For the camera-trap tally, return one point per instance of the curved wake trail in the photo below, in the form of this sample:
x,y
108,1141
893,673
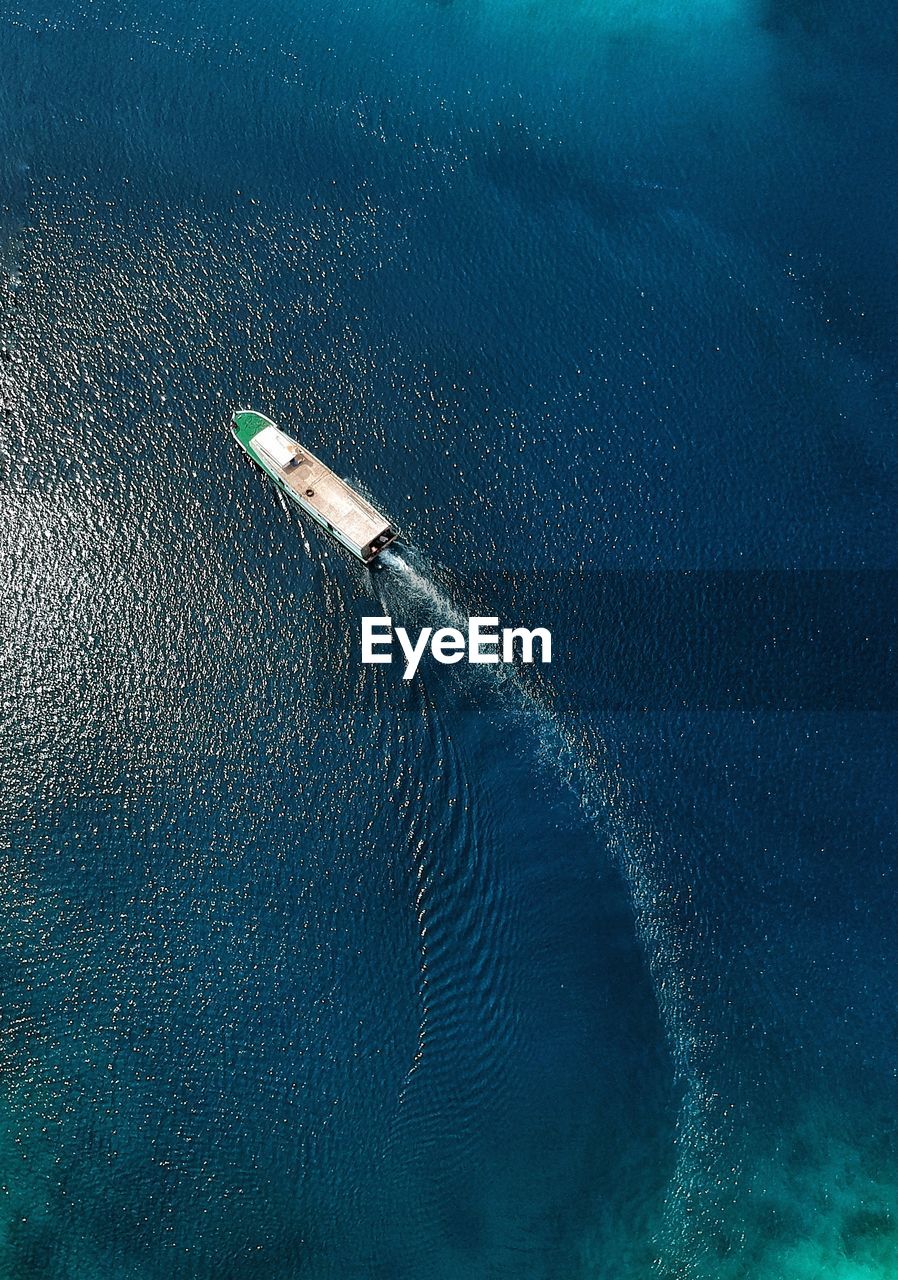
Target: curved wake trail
x,y
603,798
466,1024
466,920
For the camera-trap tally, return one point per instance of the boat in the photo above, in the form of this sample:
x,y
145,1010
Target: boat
x,y
312,486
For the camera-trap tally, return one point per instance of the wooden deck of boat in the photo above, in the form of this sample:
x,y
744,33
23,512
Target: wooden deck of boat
x,y
332,500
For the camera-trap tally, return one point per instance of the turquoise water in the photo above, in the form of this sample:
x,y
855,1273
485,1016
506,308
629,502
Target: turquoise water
x,y
581,972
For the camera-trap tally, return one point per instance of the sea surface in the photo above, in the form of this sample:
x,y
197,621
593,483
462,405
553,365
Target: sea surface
x,y
580,972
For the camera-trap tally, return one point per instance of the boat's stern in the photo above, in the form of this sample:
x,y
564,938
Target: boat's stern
x,y
379,544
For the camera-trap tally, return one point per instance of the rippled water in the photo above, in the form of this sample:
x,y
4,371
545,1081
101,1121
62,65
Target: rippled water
x,y
560,972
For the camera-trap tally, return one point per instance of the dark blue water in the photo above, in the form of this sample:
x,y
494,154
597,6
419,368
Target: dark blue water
x,y
308,972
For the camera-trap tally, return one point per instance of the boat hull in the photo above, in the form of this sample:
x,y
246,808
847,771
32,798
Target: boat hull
x,y
313,487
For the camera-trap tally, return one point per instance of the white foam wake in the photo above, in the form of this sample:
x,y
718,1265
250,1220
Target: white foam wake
x,y
423,587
